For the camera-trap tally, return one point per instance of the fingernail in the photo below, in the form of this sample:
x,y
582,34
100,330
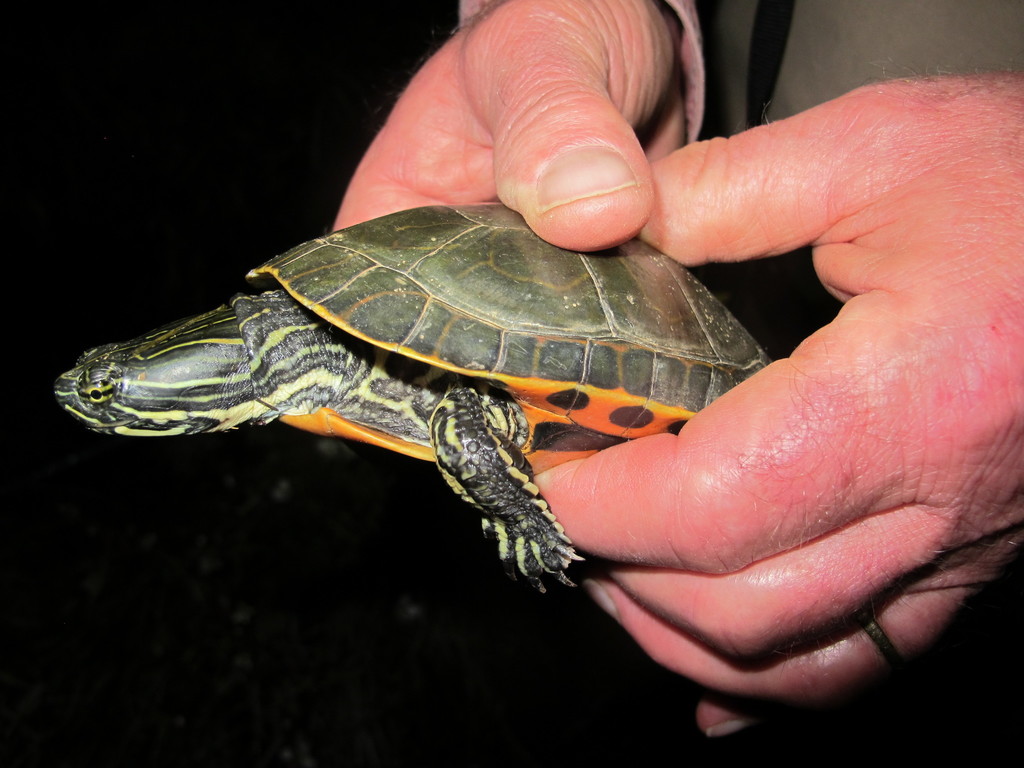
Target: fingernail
x,y
582,173
600,596
729,727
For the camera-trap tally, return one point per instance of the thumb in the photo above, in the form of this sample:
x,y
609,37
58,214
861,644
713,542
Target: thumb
x,y
560,101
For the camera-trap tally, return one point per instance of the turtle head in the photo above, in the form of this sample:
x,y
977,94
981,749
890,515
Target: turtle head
x,y
186,377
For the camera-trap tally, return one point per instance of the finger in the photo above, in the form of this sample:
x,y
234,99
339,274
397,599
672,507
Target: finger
x,y
824,672
812,178
801,593
719,715
848,662
566,152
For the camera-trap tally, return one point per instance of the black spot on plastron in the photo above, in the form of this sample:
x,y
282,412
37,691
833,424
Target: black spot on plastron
x,y
676,426
569,400
570,438
631,416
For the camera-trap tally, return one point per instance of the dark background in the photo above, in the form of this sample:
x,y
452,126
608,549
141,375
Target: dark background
x,y
264,597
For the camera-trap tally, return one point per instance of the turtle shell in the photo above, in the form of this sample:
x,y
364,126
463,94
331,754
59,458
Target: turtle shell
x,y
623,341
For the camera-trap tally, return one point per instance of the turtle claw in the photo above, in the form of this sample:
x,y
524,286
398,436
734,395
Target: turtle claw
x,y
562,578
532,550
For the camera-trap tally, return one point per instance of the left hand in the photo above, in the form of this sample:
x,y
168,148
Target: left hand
x,y
538,104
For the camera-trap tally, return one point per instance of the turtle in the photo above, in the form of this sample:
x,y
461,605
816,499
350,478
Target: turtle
x,y
447,333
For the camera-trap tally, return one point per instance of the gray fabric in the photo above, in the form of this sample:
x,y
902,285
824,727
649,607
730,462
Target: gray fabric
x,y
837,45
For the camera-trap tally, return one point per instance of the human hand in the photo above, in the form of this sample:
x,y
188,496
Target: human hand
x,y
882,464
536,103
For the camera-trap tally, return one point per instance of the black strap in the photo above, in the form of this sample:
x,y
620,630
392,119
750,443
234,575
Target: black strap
x,y
767,44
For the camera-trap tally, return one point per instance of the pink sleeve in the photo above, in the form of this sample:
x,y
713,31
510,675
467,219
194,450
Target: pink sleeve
x,y
690,54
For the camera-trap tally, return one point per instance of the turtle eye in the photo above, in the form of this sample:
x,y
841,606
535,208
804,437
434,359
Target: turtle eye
x,y
99,383
99,394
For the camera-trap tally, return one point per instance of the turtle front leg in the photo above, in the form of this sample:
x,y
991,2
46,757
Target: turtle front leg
x,y
475,450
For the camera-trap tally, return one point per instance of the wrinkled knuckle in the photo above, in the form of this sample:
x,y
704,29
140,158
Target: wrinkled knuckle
x,y
718,554
746,640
